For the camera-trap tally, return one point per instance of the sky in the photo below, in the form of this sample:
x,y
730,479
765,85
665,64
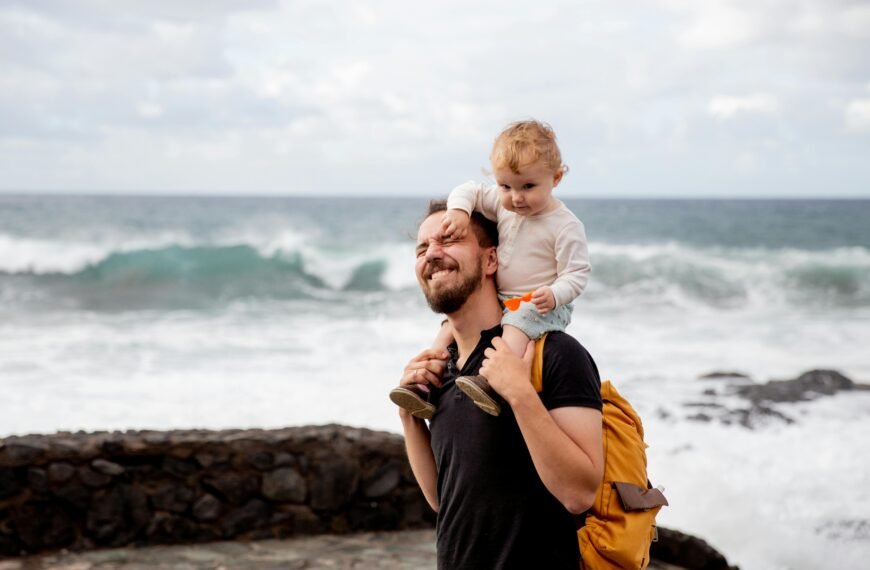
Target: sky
x,y
661,98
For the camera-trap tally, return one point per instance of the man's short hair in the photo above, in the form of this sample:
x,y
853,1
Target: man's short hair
x,y
485,230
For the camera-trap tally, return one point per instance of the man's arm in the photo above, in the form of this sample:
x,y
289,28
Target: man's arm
x,y
425,368
565,444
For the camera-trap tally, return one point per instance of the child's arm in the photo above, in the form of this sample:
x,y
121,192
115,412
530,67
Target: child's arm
x,y
572,264
475,197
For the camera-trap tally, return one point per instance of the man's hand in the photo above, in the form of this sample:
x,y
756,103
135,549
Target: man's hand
x,y
424,369
507,373
544,300
455,223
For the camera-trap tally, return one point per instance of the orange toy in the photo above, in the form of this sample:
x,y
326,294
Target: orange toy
x,y
514,302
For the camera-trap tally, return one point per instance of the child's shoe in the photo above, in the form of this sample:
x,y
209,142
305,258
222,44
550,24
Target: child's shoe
x,y
414,400
481,393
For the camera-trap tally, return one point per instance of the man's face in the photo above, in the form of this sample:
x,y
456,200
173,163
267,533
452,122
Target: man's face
x,y
449,270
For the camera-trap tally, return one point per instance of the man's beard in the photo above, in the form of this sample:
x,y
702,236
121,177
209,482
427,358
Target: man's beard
x,y
449,300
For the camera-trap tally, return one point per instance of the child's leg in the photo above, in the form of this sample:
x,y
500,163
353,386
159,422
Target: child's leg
x,y
415,398
516,339
444,338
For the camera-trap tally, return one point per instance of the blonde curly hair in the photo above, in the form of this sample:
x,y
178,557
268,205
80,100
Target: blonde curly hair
x,y
525,142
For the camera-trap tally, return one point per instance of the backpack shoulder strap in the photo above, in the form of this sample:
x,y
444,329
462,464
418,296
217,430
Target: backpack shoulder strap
x,y
538,364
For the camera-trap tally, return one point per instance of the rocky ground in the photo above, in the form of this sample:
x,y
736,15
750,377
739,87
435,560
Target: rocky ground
x,y
411,550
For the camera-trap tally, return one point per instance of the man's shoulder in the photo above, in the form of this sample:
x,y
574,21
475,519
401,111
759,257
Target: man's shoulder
x,y
562,342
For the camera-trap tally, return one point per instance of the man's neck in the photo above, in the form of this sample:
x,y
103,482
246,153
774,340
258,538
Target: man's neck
x,y
480,312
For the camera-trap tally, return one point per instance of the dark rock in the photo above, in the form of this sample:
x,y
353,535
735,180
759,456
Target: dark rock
x,y
334,480
207,508
805,387
284,459
37,480
92,478
9,486
261,460
107,467
9,546
285,484
179,467
253,514
699,418
165,527
22,451
714,375
298,518
686,551
384,481
60,472
171,496
204,459
42,525
824,382
232,486
106,515
73,493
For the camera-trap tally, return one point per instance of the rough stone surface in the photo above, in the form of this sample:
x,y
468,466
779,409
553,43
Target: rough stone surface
x,y
407,550
94,490
285,484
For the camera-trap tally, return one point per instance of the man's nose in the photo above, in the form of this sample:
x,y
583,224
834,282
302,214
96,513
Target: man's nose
x,y
434,251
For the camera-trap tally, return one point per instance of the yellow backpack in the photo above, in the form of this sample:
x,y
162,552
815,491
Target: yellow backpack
x,y
621,524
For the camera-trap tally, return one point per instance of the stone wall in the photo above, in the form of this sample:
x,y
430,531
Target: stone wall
x,y
83,490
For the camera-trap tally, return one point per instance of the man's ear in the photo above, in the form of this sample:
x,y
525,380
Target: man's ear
x,y
491,261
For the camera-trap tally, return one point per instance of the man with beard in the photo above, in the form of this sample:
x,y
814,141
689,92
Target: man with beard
x,y
507,488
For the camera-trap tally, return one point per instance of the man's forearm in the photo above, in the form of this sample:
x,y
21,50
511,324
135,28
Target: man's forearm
x,y
419,448
570,472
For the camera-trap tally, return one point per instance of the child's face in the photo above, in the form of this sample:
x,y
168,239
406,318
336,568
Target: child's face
x,y
530,192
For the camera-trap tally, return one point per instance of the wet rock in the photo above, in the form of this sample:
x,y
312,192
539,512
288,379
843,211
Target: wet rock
x,y
686,551
805,387
715,375
72,493
285,484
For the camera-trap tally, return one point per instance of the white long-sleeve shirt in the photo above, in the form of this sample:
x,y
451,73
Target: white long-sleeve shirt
x,y
533,251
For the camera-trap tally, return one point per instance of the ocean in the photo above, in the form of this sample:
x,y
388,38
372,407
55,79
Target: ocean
x,y
213,312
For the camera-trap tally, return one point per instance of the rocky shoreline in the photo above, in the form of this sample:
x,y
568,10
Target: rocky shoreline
x,y
761,403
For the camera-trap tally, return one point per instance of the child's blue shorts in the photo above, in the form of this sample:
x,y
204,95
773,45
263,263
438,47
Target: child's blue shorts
x,y
534,324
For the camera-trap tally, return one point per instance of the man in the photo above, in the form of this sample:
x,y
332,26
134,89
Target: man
x,y
505,487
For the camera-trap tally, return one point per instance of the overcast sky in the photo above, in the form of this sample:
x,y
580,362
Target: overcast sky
x,y
655,98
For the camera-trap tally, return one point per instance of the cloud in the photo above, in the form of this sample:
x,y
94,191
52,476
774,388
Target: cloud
x,y
724,107
857,116
322,96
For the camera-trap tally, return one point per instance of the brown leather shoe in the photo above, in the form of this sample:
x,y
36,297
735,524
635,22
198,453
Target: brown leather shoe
x,y
414,401
480,392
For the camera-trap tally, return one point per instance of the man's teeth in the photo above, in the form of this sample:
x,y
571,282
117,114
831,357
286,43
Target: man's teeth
x,y
439,274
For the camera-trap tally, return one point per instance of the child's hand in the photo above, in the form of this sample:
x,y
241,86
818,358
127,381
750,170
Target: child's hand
x,y
544,300
455,223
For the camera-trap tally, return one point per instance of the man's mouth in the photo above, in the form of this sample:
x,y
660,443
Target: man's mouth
x,y
436,275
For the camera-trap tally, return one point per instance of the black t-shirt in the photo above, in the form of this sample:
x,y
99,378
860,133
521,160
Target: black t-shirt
x,y
494,511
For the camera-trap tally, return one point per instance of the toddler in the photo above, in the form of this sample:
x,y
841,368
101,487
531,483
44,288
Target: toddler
x,y
542,248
